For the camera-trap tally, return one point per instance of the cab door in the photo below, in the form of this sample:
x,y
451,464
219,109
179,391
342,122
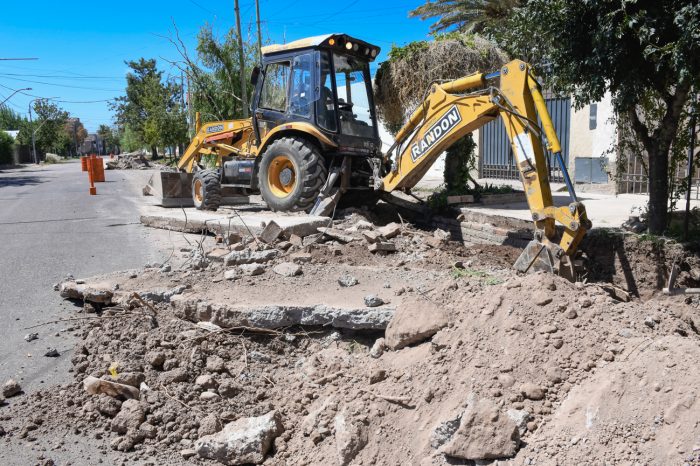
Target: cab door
x,y
273,98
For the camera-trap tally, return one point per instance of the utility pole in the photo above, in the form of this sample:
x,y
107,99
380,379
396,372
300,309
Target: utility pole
x,y
257,18
241,60
31,126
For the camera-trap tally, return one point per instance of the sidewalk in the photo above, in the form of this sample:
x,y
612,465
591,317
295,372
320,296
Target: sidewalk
x,y
604,210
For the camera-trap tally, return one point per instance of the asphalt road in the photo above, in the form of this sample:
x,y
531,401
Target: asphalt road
x,y
51,227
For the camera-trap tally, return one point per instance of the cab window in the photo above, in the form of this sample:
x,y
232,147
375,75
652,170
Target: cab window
x,y
325,105
275,86
302,93
353,87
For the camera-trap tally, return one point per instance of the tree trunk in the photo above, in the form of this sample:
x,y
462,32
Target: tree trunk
x,y
658,191
154,152
658,146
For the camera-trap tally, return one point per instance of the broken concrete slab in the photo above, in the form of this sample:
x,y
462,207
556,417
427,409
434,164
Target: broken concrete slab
x,y
337,234
100,292
221,222
382,246
271,232
390,231
274,316
371,236
95,386
246,256
287,269
244,441
217,254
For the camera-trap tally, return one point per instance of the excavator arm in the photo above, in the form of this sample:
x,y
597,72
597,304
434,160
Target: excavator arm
x,y
454,109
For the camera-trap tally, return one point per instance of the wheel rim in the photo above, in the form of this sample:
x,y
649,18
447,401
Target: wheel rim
x,y
281,176
198,191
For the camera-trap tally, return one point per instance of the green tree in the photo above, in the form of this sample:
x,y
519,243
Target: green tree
x,y
109,136
129,140
49,128
6,145
9,119
646,53
466,15
151,108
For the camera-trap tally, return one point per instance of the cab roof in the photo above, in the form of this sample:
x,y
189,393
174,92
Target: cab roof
x,y
332,41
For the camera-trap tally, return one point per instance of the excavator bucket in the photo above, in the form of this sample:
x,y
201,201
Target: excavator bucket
x,y
537,256
170,189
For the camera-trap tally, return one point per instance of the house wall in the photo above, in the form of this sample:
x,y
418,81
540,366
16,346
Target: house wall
x,y
596,143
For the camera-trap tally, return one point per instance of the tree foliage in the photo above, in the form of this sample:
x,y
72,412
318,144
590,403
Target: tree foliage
x,y
402,81
214,73
6,144
466,15
151,108
646,53
110,137
9,119
48,124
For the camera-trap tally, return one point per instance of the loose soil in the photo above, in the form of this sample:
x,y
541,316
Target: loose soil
x,y
618,380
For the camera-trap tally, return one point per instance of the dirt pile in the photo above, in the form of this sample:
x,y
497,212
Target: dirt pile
x,y
133,161
524,369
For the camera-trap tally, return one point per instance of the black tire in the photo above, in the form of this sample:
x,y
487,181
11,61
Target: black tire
x,y
291,175
206,190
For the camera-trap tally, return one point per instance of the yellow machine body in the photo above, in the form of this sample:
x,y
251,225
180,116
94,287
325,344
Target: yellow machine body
x,y
450,111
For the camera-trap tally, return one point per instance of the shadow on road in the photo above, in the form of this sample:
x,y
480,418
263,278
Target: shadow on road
x,y
21,180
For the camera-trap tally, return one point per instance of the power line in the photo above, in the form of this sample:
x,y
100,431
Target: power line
x,y
200,6
23,93
64,85
61,77
83,101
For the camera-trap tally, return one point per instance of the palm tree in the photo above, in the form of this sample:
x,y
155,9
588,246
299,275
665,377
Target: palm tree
x,y
465,15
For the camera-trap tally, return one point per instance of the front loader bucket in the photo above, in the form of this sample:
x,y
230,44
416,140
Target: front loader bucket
x,y
170,189
537,256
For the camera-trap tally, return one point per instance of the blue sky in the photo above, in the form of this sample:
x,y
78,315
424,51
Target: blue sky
x,y
82,45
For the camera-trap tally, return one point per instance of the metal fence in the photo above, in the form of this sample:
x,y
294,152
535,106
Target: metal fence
x,y
634,180
496,154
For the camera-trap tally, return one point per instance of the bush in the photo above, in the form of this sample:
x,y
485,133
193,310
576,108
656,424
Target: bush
x,y
52,158
402,81
6,148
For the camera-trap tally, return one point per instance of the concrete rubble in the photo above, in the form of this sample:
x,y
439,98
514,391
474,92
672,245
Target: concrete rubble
x,y
244,441
363,340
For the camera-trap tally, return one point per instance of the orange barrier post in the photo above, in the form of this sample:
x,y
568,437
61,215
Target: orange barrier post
x,y
83,163
98,169
93,189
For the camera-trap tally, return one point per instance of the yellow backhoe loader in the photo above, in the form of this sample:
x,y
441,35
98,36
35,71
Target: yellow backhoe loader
x,y
313,139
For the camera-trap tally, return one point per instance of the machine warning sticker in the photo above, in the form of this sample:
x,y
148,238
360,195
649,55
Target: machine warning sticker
x,y
215,128
523,149
436,132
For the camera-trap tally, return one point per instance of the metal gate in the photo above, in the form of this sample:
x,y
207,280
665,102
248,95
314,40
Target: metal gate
x,y
495,152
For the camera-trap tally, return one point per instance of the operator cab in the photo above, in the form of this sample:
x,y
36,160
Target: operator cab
x,y
324,81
